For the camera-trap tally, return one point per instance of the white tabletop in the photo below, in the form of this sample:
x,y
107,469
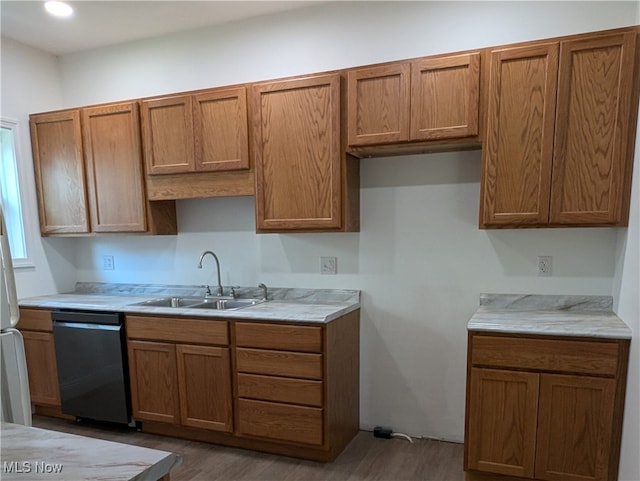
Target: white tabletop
x,y
34,453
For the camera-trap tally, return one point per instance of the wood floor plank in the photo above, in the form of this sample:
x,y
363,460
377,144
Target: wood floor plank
x,y
366,458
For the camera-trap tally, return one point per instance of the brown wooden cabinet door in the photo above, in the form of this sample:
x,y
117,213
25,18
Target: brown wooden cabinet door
x,y
445,97
154,381
592,165
378,104
204,375
518,148
167,126
59,171
114,168
297,154
502,421
220,130
575,428
42,368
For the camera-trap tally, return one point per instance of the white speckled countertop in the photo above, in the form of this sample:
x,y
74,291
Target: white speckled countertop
x,y
34,453
297,305
576,316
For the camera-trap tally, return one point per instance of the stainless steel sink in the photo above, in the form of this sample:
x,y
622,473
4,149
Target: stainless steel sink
x,y
226,304
200,303
171,302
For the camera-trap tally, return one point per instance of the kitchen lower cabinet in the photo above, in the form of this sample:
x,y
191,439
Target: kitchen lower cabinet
x,y
280,387
204,379
176,383
154,381
37,330
269,405
544,409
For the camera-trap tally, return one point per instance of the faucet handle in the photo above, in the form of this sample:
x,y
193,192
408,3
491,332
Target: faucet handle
x,y
233,291
264,290
208,289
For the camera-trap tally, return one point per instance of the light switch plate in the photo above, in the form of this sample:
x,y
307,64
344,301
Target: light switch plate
x,y
328,265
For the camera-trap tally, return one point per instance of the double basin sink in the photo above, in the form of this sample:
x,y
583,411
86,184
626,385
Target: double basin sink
x,y
218,303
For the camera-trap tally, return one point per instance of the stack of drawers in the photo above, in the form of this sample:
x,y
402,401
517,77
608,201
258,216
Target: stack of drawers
x,y
280,382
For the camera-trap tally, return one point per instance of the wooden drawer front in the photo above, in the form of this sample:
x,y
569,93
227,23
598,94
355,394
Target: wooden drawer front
x,y
279,363
35,320
589,357
284,337
178,330
280,421
282,389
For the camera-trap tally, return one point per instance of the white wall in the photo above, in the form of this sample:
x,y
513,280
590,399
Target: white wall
x,y
419,259
31,83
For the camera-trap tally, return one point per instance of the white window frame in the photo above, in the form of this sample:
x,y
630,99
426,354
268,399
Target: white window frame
x,y
21,170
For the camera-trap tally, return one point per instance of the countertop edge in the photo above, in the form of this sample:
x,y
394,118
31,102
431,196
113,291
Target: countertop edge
x,y
276,311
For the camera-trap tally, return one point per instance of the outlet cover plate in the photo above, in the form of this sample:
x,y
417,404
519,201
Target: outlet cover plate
x,y
328,265
107,263
544,266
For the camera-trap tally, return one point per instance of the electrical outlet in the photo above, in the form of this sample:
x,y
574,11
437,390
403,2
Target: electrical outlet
x,y
107,263
544,266
328,265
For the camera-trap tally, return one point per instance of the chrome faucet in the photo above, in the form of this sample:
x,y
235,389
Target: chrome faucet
x,y
218,269
264,290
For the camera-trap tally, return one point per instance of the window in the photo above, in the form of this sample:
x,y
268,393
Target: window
x,y
10,193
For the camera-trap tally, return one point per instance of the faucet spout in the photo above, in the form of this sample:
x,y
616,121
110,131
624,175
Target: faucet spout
x,y
219,289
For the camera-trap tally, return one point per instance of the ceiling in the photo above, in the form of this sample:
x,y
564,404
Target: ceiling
x,y
101,23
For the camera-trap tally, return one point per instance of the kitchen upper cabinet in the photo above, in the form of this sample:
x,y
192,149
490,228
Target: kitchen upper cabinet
x,y
60,172
114,168
200,132
518,148
545,409
595,130
560,133
167,126
89,175
304,181
379,104
427,99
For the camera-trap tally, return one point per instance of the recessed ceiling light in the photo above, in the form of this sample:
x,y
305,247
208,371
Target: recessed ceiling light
x,y
58,9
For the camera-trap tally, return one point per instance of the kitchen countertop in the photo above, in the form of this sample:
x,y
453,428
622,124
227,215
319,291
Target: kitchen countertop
x,y
30,453
575,316
297,305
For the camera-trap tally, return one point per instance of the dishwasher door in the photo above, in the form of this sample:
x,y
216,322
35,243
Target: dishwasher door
x,y
92,365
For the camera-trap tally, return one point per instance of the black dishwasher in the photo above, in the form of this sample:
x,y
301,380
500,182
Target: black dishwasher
x,y
91,356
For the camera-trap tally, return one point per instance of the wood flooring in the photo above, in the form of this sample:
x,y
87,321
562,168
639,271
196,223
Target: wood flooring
x,y
366,458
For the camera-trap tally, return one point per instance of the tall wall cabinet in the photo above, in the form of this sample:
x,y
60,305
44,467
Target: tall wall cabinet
x,y
304,180
560,132
89,173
